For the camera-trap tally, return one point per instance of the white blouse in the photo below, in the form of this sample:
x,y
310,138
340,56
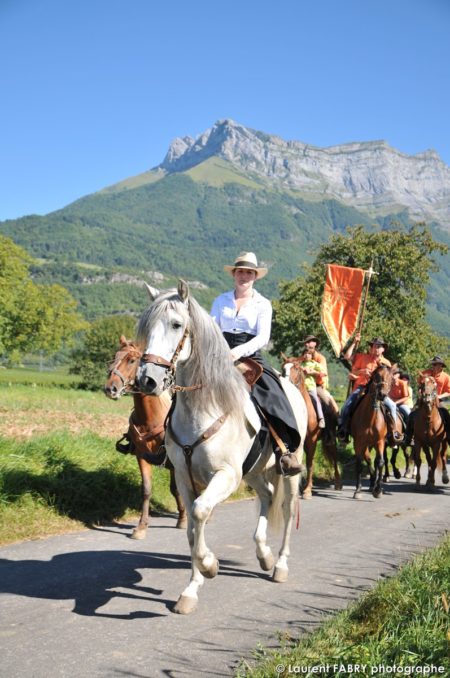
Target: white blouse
x,y
254,317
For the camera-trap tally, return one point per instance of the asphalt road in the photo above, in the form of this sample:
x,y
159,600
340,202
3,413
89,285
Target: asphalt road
x,y
96,603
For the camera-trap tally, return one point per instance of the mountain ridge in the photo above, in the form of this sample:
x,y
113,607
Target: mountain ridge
x,y
367,175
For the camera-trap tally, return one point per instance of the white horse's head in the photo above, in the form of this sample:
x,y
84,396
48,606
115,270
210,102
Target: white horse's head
x,y
164,335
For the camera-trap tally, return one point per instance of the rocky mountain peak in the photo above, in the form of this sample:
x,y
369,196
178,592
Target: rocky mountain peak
x,y
368,175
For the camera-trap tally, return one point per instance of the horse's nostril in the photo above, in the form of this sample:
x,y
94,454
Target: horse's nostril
x,y
150,384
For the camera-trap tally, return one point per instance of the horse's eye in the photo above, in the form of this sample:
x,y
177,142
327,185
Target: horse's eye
x,y
132,361
176,325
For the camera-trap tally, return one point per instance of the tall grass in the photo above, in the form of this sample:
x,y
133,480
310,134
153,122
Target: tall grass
x,y
403,622
60,481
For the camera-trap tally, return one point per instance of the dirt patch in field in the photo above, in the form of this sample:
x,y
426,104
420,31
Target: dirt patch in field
x,y
24,424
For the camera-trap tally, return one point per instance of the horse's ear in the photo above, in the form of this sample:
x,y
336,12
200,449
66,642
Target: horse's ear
x,y
394,367
183,289
123,341
153,292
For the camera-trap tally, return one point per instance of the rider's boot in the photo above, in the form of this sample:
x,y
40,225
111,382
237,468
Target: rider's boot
x,y
287,462
396,435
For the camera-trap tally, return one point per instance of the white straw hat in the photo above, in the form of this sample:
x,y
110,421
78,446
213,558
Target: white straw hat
x,y
246,260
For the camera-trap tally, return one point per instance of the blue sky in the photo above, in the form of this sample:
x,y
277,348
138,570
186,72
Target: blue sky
x,y
93,91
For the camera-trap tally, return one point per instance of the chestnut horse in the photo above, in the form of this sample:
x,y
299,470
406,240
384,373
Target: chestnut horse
x,y
429,432
368,429
146,432
292,369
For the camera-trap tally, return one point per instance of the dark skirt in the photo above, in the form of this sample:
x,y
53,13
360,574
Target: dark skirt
x,y
269,395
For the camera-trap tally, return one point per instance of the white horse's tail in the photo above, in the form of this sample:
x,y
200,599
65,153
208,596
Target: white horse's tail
x,y
275,516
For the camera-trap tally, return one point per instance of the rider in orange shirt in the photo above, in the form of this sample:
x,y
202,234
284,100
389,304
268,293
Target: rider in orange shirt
x,y
443,390
399,393
363,366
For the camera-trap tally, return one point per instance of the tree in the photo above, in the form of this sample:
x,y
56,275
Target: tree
x,y
32,317
100,344
395,309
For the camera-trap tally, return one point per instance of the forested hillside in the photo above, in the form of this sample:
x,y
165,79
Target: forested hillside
x,y
181,226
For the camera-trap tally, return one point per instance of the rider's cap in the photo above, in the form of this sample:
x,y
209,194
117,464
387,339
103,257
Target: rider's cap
x,y
311,337
378,341
437,360
248,261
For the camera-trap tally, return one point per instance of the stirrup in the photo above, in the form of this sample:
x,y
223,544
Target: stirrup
x,y
124,448
342,435
288,465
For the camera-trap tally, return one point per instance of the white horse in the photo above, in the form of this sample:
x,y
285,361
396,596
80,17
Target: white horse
x,y
212,429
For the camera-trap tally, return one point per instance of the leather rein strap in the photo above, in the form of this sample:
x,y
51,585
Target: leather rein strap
x,y
189,449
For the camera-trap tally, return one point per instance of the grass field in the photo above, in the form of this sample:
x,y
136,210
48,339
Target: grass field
x,y
403,622
59,469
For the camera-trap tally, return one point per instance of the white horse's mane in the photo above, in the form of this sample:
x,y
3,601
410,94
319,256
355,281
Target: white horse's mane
x,y
209,363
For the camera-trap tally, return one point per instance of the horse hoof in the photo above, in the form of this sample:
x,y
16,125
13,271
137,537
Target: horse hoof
x,y
377,493
357,495
181,523
185,605
280,575
338,486
266,563
445,477
408,474
307,494
210,571
397,474
386,479
139,533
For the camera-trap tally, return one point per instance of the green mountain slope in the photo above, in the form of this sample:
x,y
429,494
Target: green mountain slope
x,y
187,225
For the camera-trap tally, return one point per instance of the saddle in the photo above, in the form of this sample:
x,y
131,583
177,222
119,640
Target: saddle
x,y
250,369
139,437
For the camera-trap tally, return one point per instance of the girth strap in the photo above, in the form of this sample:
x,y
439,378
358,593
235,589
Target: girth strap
x,y
189,449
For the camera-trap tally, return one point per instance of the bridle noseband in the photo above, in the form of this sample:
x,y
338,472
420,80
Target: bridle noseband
x,y
170,365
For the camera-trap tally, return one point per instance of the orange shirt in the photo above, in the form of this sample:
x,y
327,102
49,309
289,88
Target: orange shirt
x,y
366,361
399,391
442,381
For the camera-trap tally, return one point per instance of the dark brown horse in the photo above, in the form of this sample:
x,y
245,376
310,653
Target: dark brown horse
x,y
146,432
314,433
369,429
429,432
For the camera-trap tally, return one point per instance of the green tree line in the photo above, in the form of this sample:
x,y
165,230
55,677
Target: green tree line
x,y
403,260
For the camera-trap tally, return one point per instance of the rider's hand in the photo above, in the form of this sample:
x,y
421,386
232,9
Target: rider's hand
x,y
233,355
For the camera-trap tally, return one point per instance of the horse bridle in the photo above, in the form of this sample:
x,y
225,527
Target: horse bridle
x,y
126,381
170,365
428,398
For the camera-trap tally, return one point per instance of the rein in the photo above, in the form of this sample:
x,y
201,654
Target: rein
x,y
188,450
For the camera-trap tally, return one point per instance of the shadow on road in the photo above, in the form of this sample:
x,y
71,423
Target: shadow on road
x,y
91,577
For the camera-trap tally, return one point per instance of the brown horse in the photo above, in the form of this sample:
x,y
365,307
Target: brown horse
x,y
314,433
368,429
146,431
429,432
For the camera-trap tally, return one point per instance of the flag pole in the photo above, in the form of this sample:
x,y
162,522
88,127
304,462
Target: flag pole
x,y
369,275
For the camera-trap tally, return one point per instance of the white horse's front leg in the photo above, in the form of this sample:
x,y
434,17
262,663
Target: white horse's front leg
x,y
263,551
291,497
222,484
188,600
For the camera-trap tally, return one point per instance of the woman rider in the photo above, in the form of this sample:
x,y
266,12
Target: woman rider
x,y
245,317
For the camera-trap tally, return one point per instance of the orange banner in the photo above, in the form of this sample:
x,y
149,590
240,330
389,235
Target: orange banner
x,y
341,303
